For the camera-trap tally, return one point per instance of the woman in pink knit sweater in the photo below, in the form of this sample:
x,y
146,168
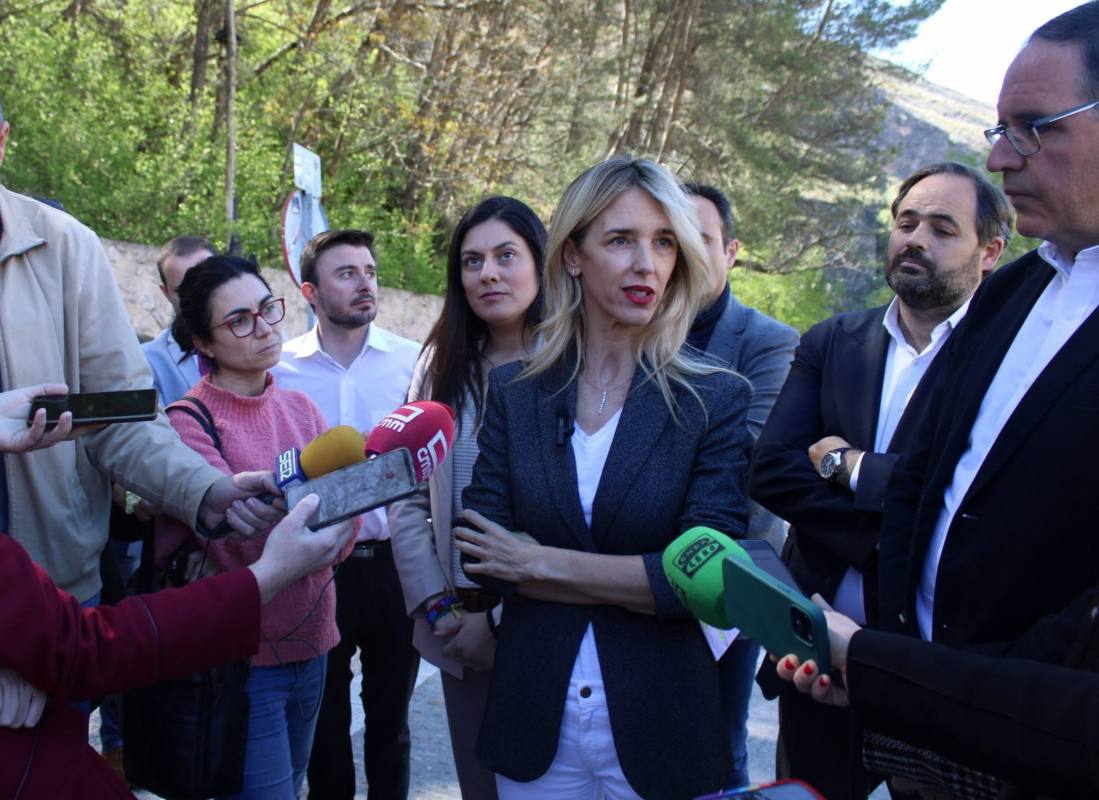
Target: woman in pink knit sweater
x,y
227,314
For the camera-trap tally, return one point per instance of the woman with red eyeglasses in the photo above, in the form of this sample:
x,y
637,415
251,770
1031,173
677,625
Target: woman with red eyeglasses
x,y
229,316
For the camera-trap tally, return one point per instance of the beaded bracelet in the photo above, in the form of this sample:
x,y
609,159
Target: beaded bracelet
x,y
448,604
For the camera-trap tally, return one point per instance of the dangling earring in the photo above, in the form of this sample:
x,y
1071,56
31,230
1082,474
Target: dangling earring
x,y
577,289
206,364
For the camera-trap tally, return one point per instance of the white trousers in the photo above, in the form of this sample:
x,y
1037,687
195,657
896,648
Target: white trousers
x,y
586,765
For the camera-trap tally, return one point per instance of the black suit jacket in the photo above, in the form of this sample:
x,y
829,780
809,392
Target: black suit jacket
x,y
660,479
833,389
1023,543
1035,725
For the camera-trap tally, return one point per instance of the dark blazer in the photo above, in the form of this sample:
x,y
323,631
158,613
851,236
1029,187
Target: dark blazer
x,y
1035,725
833,389
1023,543
660,479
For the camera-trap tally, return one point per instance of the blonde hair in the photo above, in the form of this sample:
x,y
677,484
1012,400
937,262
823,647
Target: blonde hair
x,y
659,344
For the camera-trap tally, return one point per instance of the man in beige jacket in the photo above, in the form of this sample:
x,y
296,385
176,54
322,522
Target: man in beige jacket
x,y
62,320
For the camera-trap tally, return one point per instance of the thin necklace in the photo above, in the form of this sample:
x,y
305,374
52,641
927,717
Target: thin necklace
x,y
604,390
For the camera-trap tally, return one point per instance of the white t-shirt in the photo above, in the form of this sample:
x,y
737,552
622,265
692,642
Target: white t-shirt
x,y
590,452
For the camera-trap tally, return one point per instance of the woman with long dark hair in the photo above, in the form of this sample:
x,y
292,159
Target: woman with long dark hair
x,y
229,316
493,301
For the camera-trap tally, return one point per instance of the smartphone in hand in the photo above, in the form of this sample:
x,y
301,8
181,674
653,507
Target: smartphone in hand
x,y
773,612
97,408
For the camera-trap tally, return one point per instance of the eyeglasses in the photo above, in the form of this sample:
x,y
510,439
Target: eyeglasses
x,y
1023,136
244,324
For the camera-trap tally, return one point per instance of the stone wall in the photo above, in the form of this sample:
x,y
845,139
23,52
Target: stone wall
x,y
405,313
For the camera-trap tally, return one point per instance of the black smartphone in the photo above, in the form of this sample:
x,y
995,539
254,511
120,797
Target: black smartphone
x,y
97,408
355,489
765,557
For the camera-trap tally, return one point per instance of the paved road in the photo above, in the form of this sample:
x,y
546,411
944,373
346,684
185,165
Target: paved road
x,y
433,769
433,775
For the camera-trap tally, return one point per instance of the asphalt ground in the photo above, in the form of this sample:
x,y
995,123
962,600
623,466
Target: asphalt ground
x,y
433,776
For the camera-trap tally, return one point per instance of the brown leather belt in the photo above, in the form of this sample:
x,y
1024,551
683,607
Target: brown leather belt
x,y
477,600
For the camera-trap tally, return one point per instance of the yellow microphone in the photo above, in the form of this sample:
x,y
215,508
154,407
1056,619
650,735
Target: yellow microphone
x,y
334,449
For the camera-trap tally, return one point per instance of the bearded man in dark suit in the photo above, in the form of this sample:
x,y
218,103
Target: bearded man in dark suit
x,y
847,412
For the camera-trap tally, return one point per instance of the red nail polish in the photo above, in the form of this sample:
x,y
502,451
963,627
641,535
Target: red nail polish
x,y
808,669
789,663
824,681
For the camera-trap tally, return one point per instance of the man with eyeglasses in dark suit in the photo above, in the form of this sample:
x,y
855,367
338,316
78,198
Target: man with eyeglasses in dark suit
x,y
989,530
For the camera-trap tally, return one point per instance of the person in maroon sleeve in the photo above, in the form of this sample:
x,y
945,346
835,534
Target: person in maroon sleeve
x,y
52,648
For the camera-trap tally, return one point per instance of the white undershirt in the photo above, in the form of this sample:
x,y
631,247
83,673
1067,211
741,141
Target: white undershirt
x,y
904,369
1069,299
590,452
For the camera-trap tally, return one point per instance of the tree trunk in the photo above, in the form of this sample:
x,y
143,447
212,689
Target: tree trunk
x,y
231,129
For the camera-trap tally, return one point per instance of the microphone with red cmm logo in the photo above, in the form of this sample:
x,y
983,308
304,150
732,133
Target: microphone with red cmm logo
x,y
401,452
425,428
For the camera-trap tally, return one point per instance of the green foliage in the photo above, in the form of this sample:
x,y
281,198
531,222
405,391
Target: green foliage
x,y
800,298
418,109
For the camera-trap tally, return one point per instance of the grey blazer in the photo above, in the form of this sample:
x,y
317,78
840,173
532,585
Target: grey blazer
x,y
420,532
661,478
761,349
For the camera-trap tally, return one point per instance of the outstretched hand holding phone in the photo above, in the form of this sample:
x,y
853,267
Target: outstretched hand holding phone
x,y
16,436
292,551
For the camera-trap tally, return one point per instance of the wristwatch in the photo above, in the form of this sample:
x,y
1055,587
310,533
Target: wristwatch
x,y
833,464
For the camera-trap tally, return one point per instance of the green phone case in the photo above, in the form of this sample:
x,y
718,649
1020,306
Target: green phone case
x,y
780,618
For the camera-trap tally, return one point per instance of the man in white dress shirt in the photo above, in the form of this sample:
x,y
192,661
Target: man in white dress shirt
x,y
989,533
357,373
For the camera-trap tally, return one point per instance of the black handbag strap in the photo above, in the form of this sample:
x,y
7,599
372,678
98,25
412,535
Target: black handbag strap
x,y
197,410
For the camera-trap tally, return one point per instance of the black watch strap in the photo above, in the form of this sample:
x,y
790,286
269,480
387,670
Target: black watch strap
x,y
839,453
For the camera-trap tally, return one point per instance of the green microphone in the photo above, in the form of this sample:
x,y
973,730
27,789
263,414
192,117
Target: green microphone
x,y
693,565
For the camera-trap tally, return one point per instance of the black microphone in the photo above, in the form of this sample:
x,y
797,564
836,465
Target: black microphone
x,y
564,425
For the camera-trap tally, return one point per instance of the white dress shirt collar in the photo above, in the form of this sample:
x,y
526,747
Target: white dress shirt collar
x,y
892,325
309,344
1056,258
